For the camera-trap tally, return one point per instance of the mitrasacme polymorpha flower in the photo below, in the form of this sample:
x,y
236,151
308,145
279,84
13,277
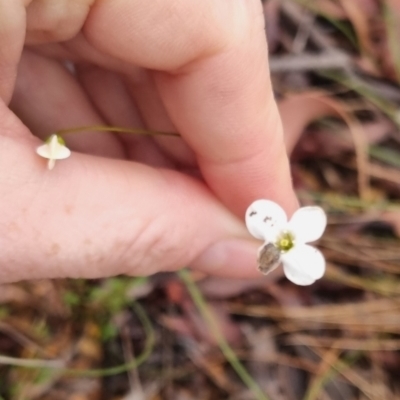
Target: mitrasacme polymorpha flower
x,y
53,149
286,241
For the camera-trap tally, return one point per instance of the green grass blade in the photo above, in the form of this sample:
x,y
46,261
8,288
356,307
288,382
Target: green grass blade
x,y
226,349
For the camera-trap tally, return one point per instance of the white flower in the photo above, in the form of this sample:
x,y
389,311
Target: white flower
x,y
303,264
54,149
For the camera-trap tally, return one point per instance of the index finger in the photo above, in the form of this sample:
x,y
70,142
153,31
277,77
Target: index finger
x,y
225,109
211,66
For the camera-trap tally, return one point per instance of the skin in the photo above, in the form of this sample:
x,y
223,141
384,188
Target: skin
x,y
136,205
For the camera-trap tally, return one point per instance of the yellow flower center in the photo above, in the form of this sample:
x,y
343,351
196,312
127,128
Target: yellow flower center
x,y
285,242
60,140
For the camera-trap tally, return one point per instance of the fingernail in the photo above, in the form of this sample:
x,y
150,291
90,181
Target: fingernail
x,y
230,258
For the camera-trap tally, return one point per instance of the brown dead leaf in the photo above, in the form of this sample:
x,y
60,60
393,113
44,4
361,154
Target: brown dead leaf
x,y
177,324
227,327
272,19
359,20
300,110
391,49
192,325
393,219
360,13
324,142
358,342
367,316
211,363
327,7
175,291
12,293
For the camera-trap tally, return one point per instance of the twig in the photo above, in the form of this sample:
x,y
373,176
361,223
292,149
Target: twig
x,y
327,60
303,33
295,13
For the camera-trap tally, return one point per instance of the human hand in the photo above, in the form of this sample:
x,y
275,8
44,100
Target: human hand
x,y
198,68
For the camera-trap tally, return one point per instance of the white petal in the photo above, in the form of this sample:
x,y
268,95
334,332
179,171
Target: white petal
x,y
51,163
62,152
303,265
53,144
265,219
308,224
297,277
43,151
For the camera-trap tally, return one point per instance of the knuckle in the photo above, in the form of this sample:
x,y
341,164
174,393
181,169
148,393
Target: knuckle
x,y
55,20
154,247
163,35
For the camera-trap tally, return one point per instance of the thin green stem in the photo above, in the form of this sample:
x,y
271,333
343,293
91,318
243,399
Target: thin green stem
x,y
135,131
388,156
226,349
31,363
354,83
57,366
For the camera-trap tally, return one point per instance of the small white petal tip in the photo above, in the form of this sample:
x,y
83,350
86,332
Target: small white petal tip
x,y
264,219
285,241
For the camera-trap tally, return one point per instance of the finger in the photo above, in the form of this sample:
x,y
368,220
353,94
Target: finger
x,y
217,93
147,98
238,138
52,21
110,96
48,98
12,34
93,217
186,30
